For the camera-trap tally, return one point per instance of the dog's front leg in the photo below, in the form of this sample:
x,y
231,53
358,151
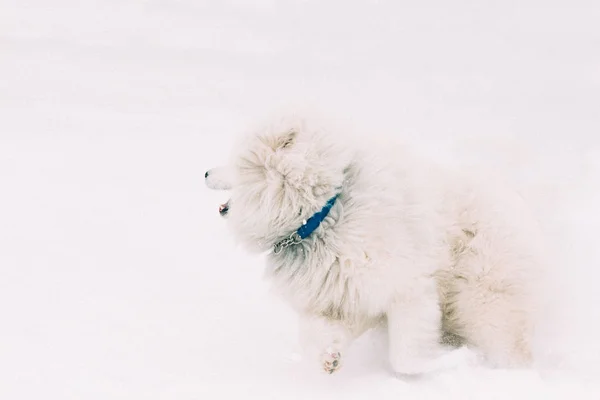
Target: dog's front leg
x,y
414,325
326,339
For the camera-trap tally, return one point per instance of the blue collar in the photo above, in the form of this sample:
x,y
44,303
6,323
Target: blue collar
x,y
307,228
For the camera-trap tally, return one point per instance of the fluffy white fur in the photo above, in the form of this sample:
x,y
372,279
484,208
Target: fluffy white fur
x,y
432,252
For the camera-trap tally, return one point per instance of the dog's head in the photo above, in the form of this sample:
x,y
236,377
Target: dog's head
x,y
280,176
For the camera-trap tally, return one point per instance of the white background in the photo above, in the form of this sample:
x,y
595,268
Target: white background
x,y
118,278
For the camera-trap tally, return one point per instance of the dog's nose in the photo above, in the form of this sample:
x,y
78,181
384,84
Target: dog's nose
x,y
206,174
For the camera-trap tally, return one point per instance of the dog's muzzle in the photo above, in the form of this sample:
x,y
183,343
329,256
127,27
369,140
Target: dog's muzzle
x,y
216,179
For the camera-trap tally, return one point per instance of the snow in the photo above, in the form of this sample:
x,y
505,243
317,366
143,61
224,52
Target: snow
x,y
118,278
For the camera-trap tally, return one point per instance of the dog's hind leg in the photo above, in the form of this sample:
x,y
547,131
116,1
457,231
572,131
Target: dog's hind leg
x,y
492,306
494,319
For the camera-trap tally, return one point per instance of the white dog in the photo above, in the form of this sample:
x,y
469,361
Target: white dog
x,y
358,236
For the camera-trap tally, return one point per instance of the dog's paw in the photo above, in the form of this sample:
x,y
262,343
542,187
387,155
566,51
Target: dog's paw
x,y
331,361
417,367
413,368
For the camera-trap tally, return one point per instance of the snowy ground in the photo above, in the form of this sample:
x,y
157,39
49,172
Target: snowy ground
x,y
118,279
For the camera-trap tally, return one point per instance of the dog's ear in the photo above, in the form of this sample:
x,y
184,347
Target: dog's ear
x,y
287,140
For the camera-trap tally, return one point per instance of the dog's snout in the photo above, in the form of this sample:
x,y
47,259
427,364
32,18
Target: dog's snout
x,y
217,178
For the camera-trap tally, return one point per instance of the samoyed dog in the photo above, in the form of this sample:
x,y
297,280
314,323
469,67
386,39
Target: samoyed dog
x,y
360,233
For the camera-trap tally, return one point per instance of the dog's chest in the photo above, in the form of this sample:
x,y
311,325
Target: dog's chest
x,y
342,289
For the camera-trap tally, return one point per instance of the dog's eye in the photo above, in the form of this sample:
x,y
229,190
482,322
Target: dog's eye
x,y
300,211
